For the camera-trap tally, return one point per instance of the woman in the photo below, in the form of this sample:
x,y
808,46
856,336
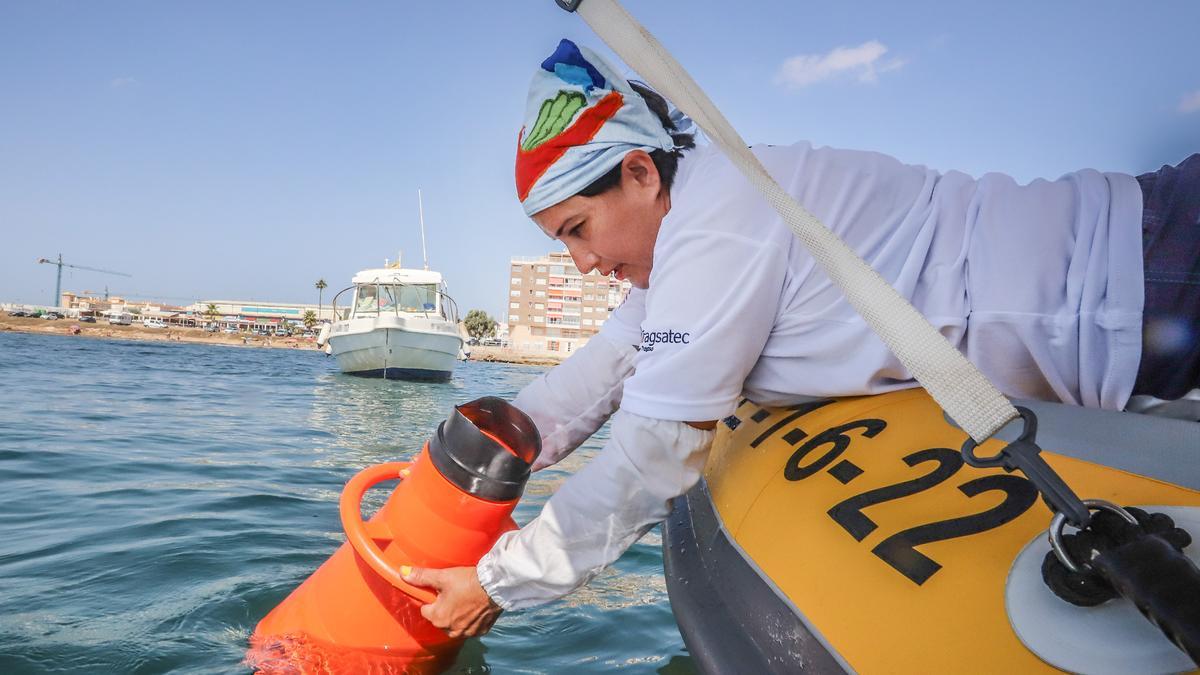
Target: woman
x,y
1040,285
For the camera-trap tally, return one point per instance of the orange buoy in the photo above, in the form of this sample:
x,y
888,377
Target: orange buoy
x,y
356,613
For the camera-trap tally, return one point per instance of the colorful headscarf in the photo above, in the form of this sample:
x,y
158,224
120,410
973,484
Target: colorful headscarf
x,y
581,119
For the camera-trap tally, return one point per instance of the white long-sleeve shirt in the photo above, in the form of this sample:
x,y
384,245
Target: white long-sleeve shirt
x,y
597,513
571,401
1039,284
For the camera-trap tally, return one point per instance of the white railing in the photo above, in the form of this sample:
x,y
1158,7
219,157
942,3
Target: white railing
x,y
449,308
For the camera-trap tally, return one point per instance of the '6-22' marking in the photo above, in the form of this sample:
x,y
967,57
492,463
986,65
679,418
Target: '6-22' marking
x,y
937,465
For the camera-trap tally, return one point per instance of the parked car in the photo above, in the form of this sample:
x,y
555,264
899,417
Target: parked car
x,y
51,316
230,329
87,319
150,322
212,328
18,312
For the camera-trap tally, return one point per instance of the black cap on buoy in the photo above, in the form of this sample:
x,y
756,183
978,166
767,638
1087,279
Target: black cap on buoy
x,y
486,448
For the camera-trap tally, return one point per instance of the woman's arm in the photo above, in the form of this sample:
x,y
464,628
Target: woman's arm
x,y
597,513
575,398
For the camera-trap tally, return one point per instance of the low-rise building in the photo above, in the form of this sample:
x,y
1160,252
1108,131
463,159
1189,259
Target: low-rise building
x,y
239,314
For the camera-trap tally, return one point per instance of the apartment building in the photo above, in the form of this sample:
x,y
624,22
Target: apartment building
x,y
552,308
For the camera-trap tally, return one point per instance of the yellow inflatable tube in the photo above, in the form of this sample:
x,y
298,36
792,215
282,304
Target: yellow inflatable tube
x,y
861,518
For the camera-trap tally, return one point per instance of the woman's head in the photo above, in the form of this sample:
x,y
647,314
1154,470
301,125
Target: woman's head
x,y
596,161
613,232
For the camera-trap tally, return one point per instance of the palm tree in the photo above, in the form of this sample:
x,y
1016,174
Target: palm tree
x,y
211,312
310,319
321,286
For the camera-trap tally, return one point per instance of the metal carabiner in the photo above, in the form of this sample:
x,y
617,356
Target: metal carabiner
x,y
1060,521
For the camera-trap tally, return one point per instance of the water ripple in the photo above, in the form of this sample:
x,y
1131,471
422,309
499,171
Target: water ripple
x,y
160,499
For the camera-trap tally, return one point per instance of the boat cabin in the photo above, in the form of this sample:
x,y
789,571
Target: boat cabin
x,y
398,290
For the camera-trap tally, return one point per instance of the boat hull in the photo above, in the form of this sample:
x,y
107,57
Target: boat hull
x,y
414,374
372,348
733,619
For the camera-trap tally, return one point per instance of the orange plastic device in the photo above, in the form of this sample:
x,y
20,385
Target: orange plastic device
x,y
356,613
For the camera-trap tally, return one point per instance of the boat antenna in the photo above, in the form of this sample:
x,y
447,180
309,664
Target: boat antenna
x,y
421,213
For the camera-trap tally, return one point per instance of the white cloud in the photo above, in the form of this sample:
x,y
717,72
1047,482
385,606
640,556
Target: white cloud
x,y
1190,103
864,61
118,82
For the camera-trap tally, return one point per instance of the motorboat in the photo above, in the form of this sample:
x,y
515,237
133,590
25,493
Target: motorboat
x,y
398,324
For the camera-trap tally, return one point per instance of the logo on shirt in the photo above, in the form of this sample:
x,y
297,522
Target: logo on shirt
x,y
663,337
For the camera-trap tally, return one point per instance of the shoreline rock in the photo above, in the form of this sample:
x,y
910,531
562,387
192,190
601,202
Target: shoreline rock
x,y
505,355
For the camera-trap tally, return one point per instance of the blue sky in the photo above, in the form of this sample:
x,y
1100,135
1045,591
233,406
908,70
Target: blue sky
x,y
243,150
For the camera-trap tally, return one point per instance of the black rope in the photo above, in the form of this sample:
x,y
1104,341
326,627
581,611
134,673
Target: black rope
x,y
1088,588
1143,562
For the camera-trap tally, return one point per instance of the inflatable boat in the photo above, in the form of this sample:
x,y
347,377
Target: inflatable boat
x,y
849,535
873,535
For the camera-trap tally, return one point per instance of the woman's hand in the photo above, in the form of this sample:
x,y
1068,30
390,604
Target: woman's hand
x,y
463,609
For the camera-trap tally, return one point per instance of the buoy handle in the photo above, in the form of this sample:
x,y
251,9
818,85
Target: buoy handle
x,y
356,530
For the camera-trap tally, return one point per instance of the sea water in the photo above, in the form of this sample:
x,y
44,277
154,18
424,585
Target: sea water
x,y
158,499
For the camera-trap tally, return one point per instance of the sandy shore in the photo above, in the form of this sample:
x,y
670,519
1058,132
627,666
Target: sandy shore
x,y
104,330
138,332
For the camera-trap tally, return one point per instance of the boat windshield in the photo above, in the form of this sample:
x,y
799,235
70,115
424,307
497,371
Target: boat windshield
x,y
414,298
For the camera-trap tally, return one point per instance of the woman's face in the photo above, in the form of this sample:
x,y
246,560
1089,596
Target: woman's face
x,y
614,232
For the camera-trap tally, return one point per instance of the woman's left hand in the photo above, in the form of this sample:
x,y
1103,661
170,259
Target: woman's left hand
x,y
463,609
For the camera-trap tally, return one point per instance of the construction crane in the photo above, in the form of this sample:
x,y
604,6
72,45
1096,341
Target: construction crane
x,y
61,264
93,293
138,295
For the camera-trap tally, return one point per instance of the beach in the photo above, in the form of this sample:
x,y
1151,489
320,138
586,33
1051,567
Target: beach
x,y
137,331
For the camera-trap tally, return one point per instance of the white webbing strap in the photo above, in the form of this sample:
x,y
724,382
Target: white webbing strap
x,y
953,381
